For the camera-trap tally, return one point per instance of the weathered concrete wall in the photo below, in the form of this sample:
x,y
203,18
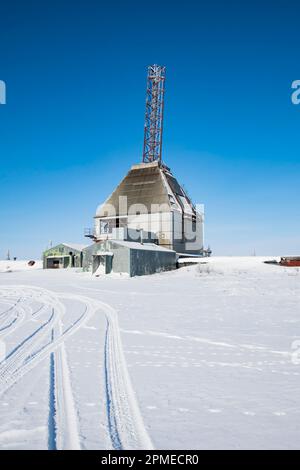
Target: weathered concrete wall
x,y
88,256
124,259
158,223
120,260
149,262
164,228
194,239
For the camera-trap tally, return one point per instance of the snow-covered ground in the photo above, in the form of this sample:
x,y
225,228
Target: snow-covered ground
x,y
205,357
14,266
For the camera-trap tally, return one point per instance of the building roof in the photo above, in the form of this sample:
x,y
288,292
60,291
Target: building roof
x,y
140,246
146,185
75,246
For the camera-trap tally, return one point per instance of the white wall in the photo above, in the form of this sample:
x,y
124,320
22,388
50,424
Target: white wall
x,y
167,226
159,223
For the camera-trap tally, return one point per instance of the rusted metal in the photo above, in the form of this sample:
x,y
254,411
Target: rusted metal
x,y
153,130
290,261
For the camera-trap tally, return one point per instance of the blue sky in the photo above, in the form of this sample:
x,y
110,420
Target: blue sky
x,y
73,123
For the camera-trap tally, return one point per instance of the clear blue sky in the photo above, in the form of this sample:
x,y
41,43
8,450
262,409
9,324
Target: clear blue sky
x,y
73,123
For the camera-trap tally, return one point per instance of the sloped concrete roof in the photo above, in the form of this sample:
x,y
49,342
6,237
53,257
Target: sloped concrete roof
x,y
146,184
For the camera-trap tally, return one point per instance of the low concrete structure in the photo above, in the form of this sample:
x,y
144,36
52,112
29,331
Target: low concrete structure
x,y
64,255
132,258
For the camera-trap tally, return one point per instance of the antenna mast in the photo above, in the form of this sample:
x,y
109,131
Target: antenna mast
x,y
154,113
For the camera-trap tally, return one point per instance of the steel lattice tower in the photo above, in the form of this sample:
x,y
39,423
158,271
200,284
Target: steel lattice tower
x,y
154,113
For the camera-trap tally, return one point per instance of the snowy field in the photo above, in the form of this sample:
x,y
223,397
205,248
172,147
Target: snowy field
x,y
204,357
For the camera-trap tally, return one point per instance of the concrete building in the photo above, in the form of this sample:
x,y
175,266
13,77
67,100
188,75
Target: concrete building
x,y
150,199
149,220
64,255
132,258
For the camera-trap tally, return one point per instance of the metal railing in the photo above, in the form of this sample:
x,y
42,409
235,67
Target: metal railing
x,y
89,232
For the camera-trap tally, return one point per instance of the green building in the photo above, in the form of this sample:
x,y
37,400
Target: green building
x,y
65,255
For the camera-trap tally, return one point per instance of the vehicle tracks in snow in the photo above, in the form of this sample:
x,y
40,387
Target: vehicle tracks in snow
x,y
124,421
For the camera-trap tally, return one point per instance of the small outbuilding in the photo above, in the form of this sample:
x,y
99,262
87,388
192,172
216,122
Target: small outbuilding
x,y
132,258
65,255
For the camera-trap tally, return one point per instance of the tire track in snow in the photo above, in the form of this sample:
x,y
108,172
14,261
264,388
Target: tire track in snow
x,y
12,319
11,307
125,423
16,359
111,417
62,417
52,407
66,412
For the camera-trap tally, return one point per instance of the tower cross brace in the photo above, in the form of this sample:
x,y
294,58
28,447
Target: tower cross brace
x,y
153,130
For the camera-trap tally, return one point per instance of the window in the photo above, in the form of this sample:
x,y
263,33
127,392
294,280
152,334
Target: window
x,y
107,225
104,226
172,200
194,224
